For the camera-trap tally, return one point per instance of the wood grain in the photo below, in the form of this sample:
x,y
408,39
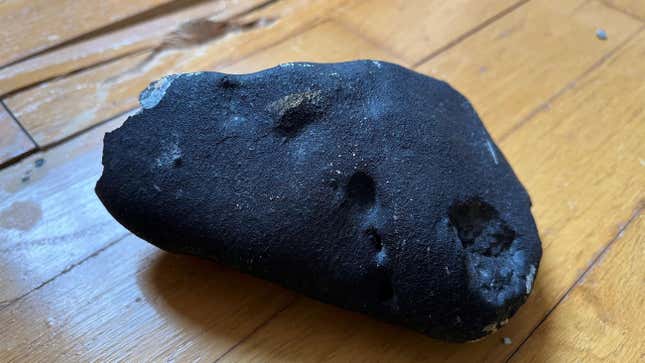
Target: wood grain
x,y
147,34
599,321
583,185
414,29
31,26
63,107
512,67
13,141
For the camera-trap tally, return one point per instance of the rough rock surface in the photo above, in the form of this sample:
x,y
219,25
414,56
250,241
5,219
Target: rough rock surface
x,y
361,184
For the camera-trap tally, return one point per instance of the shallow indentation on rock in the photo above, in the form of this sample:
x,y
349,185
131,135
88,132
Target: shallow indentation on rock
x,y
228,82
479,227
374,237
361,189
295,111
176,162
171,156
385,290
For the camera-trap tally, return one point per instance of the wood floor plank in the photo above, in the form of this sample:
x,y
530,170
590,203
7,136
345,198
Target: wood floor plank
x,y
148,34
13,140
29,26
634,7
62,107
513,66
326,42
133,302
414,29
580,161
599,321
50,218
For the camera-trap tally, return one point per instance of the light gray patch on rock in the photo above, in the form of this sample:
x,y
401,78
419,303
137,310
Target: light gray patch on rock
x,y
153,94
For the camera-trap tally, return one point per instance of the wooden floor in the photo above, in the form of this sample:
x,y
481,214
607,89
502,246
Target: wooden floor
x,y
566,107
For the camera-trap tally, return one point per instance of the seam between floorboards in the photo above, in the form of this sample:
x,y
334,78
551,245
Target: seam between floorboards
x,y
594,261
570,85
622,11
128,21
140,50
257,328
44,148
470,32
76,71
15,119
8,303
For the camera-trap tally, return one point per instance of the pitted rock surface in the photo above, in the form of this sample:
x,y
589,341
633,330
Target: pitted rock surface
x,y
361,184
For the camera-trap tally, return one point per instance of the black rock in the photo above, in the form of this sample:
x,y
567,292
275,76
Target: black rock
x,y
361,184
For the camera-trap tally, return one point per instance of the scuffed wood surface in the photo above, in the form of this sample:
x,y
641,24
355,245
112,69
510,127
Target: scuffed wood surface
x,y
566,108
50,218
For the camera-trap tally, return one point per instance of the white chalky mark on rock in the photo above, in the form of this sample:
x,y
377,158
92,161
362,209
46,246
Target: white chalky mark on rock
x,y
169,156
490,328
381,258
152,95
529,279
377,64
492,152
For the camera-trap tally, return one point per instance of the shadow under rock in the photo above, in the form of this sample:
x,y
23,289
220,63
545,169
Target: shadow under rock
x,y
198,296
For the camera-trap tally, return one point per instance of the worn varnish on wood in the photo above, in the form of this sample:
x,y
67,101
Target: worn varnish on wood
x,y
566,107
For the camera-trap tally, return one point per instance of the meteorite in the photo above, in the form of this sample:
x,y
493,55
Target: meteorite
x,y
361,184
